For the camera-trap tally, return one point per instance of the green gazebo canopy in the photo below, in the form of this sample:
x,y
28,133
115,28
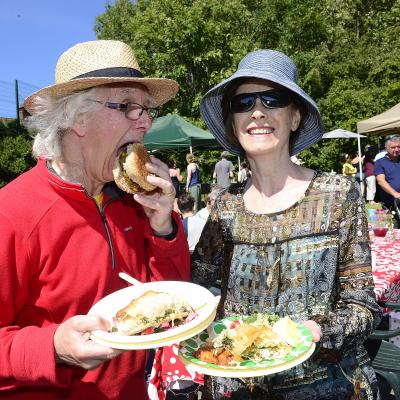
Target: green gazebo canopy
x,y
173,132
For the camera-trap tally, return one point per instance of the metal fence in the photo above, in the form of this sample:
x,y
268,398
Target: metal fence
x,y
9,92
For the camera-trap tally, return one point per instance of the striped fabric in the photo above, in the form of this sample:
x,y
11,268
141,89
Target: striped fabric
x,y
273,66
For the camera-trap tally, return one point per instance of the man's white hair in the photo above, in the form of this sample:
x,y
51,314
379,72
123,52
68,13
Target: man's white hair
x,y
53,118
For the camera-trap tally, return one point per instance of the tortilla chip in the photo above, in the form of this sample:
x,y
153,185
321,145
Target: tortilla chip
x,y
287,331
244,338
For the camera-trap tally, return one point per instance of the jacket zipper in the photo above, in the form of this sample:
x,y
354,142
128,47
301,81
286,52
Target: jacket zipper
x,y
107,229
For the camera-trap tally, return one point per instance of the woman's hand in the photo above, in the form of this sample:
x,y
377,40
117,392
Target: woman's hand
x,y
73,346
315,330
158,205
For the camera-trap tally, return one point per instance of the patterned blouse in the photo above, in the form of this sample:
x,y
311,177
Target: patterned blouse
x,y
310,261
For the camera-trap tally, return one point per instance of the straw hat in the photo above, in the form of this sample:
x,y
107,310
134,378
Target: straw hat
x,y
101,62
272,66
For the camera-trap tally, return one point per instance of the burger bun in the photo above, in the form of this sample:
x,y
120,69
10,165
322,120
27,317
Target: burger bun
x,y
130,174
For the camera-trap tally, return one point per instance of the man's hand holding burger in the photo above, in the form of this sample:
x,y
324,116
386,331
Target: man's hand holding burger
x,y
158,205
147,178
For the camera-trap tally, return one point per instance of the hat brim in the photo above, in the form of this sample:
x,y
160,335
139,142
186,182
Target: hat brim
x,y
310,132
160,89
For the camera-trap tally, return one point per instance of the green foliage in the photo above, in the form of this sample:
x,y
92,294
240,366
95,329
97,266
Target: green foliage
x,y
15,151
346,52
193,42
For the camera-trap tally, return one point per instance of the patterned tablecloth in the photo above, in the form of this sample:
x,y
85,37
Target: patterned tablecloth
x,y
386,267
168,368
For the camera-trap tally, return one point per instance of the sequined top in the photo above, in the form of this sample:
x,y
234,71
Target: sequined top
x,y
310,261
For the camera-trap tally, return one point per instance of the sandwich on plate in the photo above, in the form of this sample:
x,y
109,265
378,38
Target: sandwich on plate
x,y
152,312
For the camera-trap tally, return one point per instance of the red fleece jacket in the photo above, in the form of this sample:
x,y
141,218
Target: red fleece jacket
x,y
59,255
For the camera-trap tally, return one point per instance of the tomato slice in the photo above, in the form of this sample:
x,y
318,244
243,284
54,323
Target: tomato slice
x,y
148,331
234,324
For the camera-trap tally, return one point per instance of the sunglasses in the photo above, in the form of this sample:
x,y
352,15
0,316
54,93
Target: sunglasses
x,y
270,99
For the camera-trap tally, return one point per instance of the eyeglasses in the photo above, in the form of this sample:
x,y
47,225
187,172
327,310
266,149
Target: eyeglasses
x,y
270,99
133,111
392,137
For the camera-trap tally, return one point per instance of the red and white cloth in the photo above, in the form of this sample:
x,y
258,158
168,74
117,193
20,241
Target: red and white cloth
x,y
386,267
167,368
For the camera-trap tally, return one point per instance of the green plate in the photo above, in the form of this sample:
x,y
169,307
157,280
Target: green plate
x,y
296,356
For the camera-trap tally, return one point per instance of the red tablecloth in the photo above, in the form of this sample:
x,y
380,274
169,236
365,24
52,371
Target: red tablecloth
x,y
386,267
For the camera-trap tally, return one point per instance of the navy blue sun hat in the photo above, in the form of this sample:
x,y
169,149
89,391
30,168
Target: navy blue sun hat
x,y
272,66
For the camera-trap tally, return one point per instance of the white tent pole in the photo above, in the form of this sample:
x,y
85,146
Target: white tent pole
x,y
191,150
359,157
360,163
238,163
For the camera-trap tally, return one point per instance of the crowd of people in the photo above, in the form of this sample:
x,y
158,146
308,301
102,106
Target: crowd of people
x,y
379,177
283,239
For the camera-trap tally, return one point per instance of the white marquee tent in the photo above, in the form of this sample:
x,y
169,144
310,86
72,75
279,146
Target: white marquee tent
x,y
382,124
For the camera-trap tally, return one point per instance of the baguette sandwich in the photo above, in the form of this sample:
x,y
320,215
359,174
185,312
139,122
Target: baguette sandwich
x,y
152,311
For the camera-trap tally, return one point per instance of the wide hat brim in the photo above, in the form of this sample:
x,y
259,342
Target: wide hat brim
x,y
101,62
160,89
312,127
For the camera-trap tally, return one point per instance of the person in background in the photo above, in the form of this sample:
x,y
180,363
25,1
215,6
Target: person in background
x,y
348,169
192,224
67,231
369,168
244,172
382,149
387,172
210,200
176,178
292,241
193,185
223,171
355,162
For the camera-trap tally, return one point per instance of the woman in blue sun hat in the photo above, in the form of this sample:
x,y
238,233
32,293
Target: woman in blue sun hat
x,y
289,240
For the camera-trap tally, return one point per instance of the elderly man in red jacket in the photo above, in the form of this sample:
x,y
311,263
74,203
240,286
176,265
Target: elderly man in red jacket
x,y
67,231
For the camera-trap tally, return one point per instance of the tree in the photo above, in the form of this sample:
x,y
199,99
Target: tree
x,y
196,43
346,51
15,151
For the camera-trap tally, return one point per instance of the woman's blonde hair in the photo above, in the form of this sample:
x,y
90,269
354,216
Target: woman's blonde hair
x,y
190,158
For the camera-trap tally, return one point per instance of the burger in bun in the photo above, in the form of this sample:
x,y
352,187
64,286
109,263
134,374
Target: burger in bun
x,y
130,172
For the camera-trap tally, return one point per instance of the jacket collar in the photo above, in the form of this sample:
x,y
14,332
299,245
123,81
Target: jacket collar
x,y
74,190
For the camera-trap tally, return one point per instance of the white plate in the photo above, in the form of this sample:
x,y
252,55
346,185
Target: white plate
x,y
200,299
